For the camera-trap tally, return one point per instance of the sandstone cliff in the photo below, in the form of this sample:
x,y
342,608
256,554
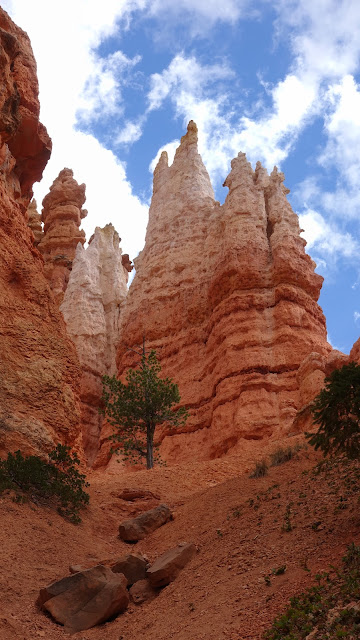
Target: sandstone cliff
x,y
62,214
38,364
228,298
91,308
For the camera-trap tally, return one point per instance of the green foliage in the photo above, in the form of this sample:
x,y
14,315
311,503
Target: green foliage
x,y
309,612
260,470
56,482
137,407
336,409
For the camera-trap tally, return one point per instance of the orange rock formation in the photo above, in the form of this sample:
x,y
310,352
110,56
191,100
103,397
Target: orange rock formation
x,y
38,364
34,222
228,298
62,214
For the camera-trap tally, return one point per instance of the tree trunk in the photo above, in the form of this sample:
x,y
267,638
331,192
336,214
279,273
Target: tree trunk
x,y
149,448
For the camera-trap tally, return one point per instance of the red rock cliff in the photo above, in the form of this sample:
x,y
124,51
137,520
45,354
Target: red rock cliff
x,y
62,214
38,364
228,298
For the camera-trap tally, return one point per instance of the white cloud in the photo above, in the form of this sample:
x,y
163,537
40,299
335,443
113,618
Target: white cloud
x,y
356,316
71,78
326,238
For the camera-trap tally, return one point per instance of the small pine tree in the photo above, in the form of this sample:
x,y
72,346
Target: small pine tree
x,y
137,407
336,409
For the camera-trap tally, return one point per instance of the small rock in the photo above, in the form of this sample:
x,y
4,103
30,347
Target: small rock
x,y
86,598
137,528
133,566
166,568
142,591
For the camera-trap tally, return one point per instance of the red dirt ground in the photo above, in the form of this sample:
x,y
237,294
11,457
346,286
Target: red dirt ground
x,y
236,522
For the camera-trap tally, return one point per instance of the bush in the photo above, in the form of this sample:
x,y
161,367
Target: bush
x,y
261,469
281,455
56,483
336,409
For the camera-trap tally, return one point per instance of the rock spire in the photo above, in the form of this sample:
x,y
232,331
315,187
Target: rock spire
x,y
91,307
62,214
228,298
34,222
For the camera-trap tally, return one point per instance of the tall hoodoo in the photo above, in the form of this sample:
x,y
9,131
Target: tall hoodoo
x,y
62,214
38,364
91,308
228,297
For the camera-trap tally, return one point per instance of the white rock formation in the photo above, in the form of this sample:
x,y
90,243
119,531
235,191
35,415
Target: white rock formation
x,y
91,309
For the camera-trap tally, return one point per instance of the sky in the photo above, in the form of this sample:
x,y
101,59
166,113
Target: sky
x,y
278,79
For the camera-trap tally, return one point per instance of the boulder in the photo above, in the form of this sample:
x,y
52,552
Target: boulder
x,y
137,494
85,599
166,568
137,528
132,566
142,591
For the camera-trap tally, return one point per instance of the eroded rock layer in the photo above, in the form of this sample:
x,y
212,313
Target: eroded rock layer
x,y
34,222
38,364
91,308
228,298
62,214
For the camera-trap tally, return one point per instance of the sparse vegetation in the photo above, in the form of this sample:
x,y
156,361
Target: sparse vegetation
x,y
336,409
55,482
287,523
260,470
282,454
327,610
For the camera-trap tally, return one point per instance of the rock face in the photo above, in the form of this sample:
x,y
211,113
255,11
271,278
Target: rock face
x,y
91,307
34,222
86,598
62,214
38,364
228,298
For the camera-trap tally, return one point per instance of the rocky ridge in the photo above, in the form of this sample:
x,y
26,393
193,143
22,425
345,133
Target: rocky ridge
x,y
228,298
38,364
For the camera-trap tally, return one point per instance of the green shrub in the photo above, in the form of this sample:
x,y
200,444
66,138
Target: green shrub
x,y
261,469
56,483
336,409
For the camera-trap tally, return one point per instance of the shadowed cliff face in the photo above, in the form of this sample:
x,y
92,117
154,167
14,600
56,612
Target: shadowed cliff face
x,y
228,298
39,370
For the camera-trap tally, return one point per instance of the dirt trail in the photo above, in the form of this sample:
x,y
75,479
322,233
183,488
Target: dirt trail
x,y
243,528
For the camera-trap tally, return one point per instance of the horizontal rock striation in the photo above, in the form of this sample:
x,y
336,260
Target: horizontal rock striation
x,y
228,298
62,214
91,308
38,364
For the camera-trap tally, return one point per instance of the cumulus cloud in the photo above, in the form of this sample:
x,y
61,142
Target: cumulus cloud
x,y
326,237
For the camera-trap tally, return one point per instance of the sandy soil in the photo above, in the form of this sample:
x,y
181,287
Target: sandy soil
x,y
236,522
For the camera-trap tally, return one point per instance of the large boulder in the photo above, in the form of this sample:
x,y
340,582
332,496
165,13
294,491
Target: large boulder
x,y
167,567
132,566
137,528
85,599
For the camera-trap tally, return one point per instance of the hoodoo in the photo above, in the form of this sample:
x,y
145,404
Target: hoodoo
x,y
62,214
228,298
91,308
38,364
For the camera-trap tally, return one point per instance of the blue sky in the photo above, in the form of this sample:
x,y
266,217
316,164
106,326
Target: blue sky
x,y
279,80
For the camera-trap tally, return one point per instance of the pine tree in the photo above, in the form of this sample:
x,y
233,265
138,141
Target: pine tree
x,y
336,409
137,407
